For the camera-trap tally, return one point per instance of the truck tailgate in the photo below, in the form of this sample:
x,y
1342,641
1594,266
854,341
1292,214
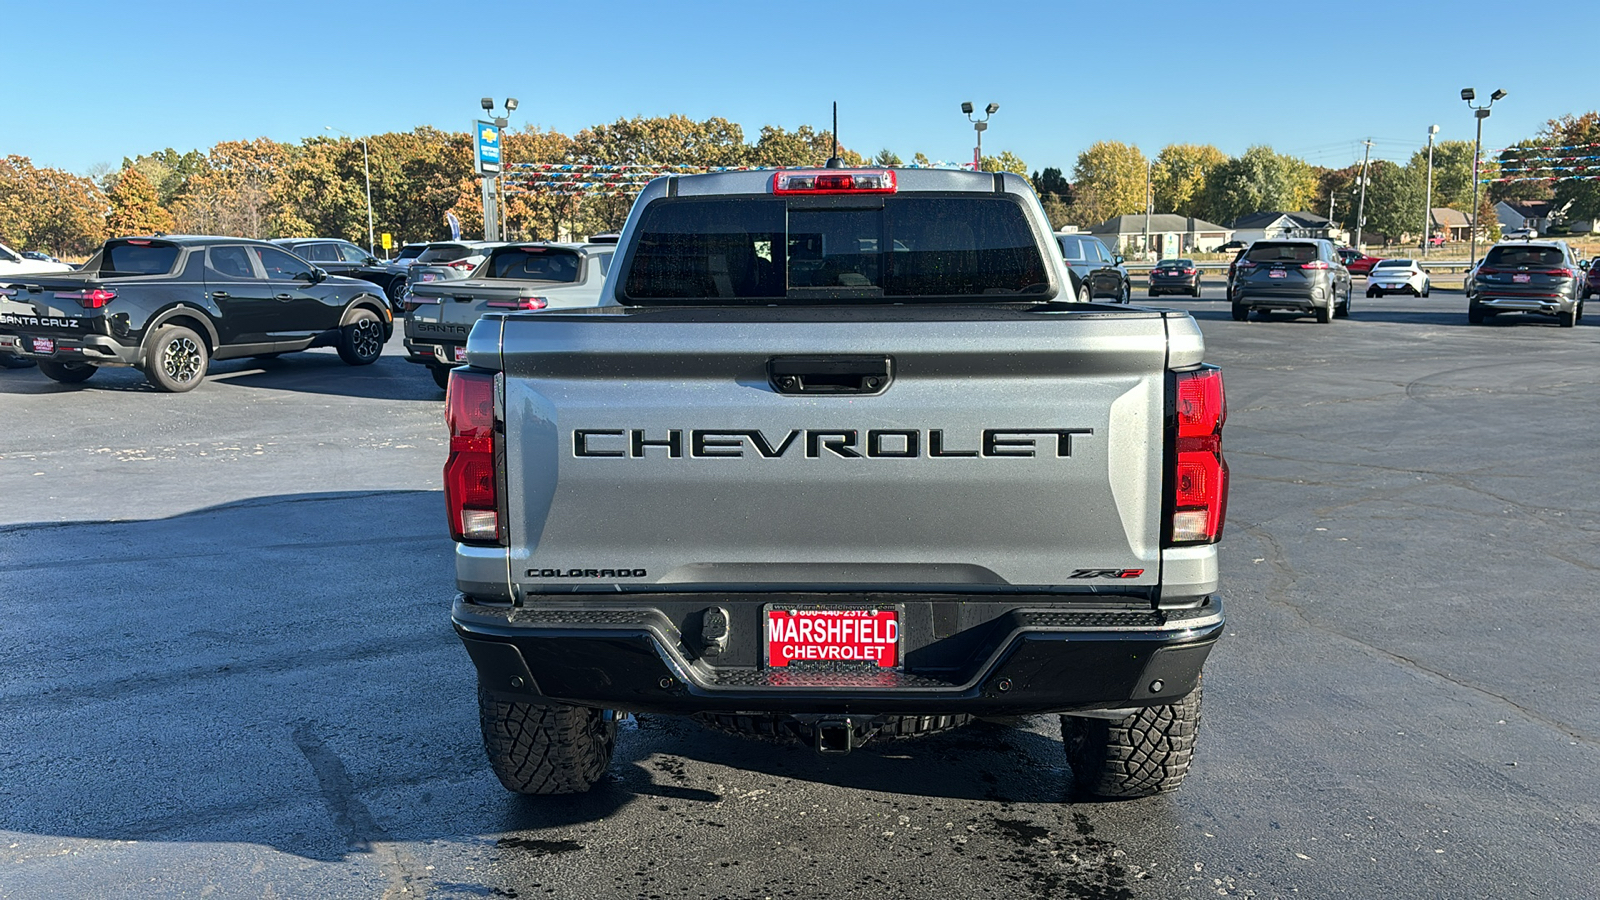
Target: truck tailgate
x,y
657,452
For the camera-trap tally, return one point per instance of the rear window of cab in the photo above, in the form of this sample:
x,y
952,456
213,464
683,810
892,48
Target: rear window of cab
x,y
776,249
553,264
138,258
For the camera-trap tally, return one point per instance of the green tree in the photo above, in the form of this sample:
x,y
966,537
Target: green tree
x,y
887,157
1452,173
1109,179
1576,193
1005,162
1258,180
1179,177
920,159
134,206
1394,200
1520,167
1050,183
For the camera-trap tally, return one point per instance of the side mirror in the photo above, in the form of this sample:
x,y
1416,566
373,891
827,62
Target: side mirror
x,y
372,261
318,275
1117,259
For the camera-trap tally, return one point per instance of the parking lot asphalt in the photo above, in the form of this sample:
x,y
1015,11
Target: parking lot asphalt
x,y
227,668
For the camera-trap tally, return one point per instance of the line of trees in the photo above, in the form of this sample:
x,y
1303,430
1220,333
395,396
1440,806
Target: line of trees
x,y
266,188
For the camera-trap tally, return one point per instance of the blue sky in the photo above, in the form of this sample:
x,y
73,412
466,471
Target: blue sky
x,y
83,83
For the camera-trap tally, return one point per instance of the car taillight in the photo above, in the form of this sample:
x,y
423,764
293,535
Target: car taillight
x,y
1560,273
1199,476
461,264
1246,264
519,303
1189,271
94,299
1315,264
834,181
1485,270
471,483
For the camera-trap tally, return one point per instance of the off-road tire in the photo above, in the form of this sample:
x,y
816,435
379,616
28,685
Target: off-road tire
x,y
1144,754
787,729
538,749
176,360
67,372
1240,312
441,376
361,339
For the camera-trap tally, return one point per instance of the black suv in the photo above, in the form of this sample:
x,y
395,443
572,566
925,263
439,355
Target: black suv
x,y
1303,275
169,305
1099,270
340,257
1540,277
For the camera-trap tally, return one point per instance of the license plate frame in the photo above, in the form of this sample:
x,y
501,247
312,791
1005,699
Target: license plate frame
x,y
43,344
867,635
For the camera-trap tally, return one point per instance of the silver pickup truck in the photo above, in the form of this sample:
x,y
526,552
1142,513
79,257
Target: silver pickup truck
x,y
524,276
840,459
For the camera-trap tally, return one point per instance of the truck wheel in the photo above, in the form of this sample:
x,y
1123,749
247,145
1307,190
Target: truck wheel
x,y
1144,754
441,376
66,372
1240,312
361,341
176,361
538,749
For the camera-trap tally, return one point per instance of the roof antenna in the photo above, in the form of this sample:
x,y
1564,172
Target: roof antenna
x,y
834,162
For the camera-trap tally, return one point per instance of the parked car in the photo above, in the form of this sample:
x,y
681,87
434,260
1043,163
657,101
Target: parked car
x,y
1398,276
39,256
168,305
1100,271
1302,275
1519,234
1591,279
523,276
1357,262
14,264
1435,241
1233,246
1175,276
340,257
1539,277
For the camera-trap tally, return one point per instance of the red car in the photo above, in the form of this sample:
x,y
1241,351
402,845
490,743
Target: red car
x,y
1591,280
1357,262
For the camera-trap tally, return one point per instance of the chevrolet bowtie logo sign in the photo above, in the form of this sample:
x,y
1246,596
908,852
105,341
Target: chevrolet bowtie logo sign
x,y
489,136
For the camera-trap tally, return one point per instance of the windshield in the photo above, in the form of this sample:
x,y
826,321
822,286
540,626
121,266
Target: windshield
x,y
444,253
6,255
1277,251
532,264
1523,256
743,248
142,258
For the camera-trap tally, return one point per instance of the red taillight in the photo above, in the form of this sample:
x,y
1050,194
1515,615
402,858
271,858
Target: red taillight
x,y
1560,273
519,303
1315,264
1199,475
1485,270
1246,264
93,299
471,484
462,264
1189,271
834,181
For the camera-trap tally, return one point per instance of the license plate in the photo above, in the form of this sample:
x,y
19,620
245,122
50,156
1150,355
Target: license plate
x,y
44,345
1277,273
1522,279
833,635
428,276
461,354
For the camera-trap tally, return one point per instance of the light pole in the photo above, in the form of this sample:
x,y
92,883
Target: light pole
x,y
980,126
491,216
1427,205
1480,112
366,172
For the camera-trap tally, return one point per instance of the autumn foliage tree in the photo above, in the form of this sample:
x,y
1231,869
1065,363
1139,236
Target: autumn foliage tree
x,y
1109,180
49,209
135,207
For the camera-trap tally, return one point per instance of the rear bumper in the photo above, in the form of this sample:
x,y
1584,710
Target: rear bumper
x,y
81,348
432,352
1026,660
1546,305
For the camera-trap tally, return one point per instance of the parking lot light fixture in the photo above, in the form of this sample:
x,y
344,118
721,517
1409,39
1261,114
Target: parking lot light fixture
x,y
1480,113
980,126
366,174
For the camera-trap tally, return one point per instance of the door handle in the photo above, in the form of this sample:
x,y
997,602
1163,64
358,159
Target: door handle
x,y
220,295
830,374
283,297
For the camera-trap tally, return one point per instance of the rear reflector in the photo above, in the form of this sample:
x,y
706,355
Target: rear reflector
x,y
1199,476
519,303
471,483
834,181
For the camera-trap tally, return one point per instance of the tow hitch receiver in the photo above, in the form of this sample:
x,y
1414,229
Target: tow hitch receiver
x,y
835,737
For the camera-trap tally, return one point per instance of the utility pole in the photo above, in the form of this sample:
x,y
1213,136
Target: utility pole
x,y
1149,200
1427,205
1361,206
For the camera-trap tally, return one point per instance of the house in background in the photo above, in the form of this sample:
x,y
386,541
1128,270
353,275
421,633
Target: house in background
x,y
1170,234
1267,226
1452,224
1533,214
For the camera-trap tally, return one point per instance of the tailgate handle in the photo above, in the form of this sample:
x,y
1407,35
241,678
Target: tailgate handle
x,y
830,374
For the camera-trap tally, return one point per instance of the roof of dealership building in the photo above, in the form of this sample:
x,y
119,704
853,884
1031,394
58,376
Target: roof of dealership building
x,y
1135,223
